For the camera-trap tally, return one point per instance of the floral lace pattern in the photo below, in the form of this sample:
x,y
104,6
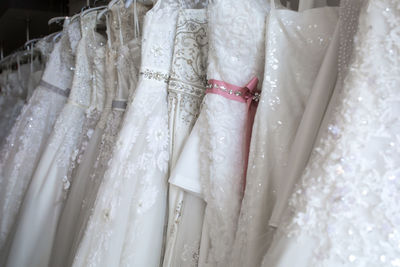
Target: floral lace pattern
x,y
58,157
185,93
131,201
188,75
348,196
236,54
26,141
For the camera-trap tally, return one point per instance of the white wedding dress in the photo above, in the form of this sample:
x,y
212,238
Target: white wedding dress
x,y
345,209
27,139
89,173
296,43
127,224
212,162
48,189
185,94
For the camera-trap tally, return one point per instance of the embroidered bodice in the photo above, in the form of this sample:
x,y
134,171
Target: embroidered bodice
x,y
55,73
188,74
230,45
83,74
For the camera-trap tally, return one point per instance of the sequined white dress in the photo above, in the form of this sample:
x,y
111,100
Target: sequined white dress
x,y
45,196
211,164
185,94
21,152
89,173
296,43
345,209
127,224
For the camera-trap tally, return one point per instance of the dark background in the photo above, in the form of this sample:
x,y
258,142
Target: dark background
x,y
16,16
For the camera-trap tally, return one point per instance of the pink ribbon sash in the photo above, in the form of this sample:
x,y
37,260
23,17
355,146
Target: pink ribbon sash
x,y
249,95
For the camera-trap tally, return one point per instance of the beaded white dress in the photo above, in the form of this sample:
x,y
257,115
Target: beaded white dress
x,y
23,148
345,209
127,224
185,93
296,43
48,189
88,175
212,161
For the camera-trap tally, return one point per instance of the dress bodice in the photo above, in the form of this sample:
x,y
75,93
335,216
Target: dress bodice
x,y
188,73
128,60
235,48
126,22
60,67
81,92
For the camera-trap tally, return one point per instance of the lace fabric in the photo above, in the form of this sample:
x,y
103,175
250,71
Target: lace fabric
x,y
131,202
51,180
346,202
235,46
98,150
185,94
78,170
27,139
296,45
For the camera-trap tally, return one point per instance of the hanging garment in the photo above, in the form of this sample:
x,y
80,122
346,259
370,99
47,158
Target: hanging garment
x,y
14,100
345,209
126,227
185,93
90,171
295,48
21,152
212,162
45,196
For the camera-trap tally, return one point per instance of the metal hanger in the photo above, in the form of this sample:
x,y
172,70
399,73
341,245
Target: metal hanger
x,y
92,9
57,20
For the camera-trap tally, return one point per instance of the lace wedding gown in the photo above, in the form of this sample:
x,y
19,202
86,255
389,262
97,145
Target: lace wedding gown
x,y
345,209
212,162
185,93
91,169
295,48
126,227
50,183
21,152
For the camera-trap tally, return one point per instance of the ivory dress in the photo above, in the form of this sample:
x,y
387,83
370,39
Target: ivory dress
x,y
126,227
23,148
345,209
295,48
89,173
212,161
185,93
47,191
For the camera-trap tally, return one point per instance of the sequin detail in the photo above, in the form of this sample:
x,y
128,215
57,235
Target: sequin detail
x,y
155,75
